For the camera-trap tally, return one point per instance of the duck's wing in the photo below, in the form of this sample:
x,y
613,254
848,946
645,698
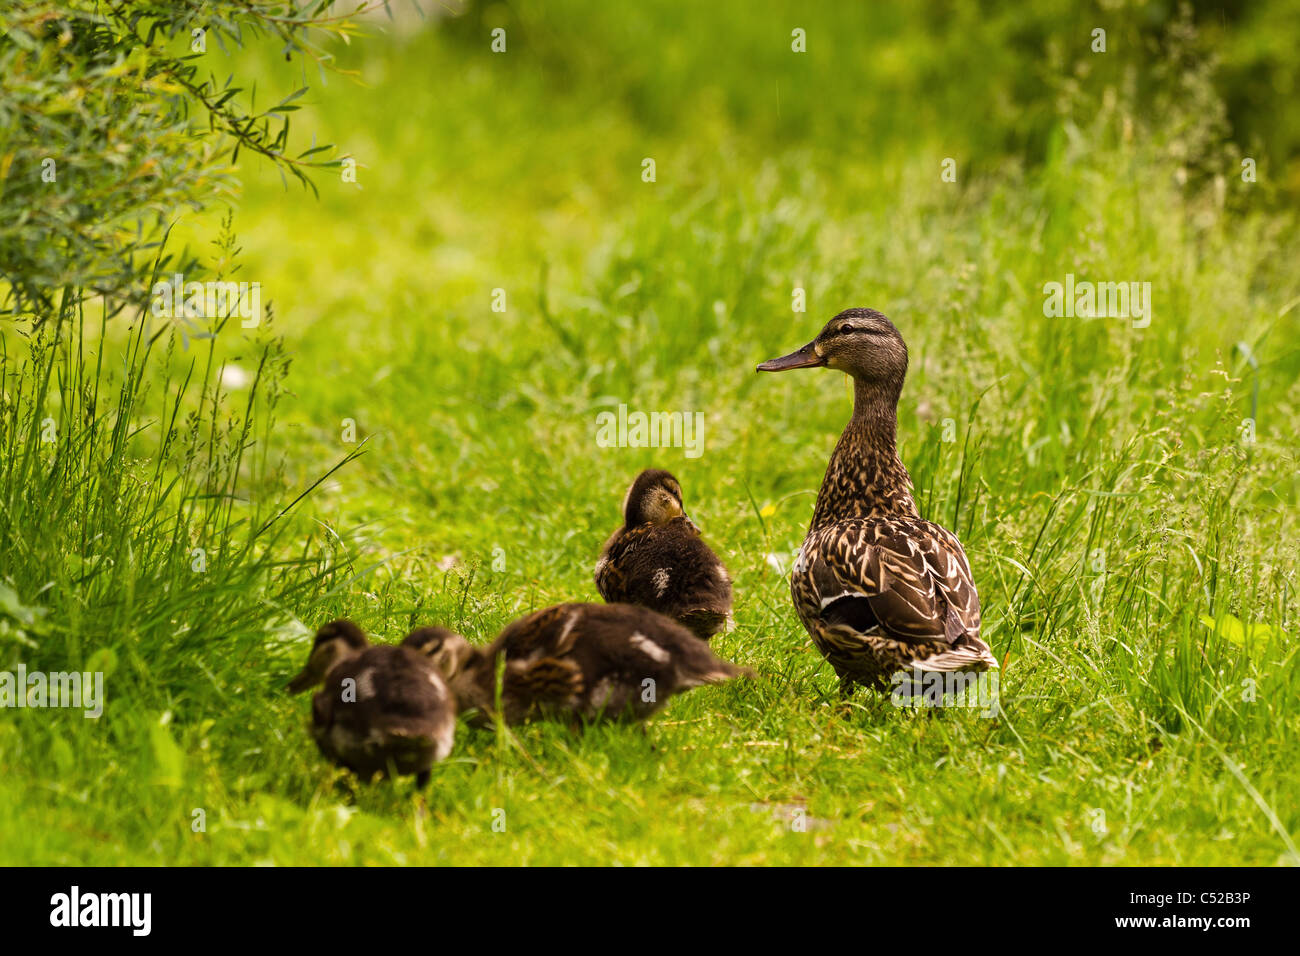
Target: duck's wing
x,y
548,632
540,669
638,642
904,578
628,564
547,681
666,567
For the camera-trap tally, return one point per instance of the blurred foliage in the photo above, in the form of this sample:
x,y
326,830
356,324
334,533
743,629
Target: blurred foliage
x,y
985,79
111,120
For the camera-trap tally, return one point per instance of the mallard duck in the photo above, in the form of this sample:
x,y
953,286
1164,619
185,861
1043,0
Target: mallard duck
x,y
382,709
581,661
658,560
879,589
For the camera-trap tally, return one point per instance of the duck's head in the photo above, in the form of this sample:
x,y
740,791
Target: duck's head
x,y
336,641
654,498
450,653
861,342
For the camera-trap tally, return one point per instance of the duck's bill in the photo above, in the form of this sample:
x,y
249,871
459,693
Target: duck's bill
x,y
306,679
805,357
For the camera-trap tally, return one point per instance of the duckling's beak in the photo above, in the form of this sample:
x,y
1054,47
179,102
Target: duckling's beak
x,y
309,677
805,357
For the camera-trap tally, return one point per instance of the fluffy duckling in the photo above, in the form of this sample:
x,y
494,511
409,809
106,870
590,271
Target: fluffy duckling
x,y
658,560
582,661
879,589
382,707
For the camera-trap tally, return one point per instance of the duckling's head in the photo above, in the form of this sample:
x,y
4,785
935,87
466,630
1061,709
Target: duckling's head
x,y
861,342
336,641
654,498
450,653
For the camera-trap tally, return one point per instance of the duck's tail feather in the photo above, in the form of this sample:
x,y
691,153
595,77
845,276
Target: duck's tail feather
x,y
972,656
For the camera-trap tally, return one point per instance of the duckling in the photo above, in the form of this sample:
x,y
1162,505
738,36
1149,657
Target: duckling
x,y
382,707
879,589
658,560
582,661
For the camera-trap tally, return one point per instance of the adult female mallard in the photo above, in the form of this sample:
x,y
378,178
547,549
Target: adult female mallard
x,y
383,708
879,589
658,560
581,661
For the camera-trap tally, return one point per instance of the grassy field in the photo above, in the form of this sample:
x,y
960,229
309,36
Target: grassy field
x,y
1126,495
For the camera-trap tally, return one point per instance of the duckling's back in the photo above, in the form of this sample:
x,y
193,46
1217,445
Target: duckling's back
x,y
388,709
667,568
602,661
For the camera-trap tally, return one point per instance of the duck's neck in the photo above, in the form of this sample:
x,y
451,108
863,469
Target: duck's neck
x,y
865,477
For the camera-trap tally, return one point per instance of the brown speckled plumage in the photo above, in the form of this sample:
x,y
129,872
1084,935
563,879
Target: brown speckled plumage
x,y
382,708
582,662
657,559
877,587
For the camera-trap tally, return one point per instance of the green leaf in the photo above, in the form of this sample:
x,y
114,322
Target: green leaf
x,y
102,660
1249,635
27,616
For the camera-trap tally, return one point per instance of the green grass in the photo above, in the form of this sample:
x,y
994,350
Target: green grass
x,y
1135,558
